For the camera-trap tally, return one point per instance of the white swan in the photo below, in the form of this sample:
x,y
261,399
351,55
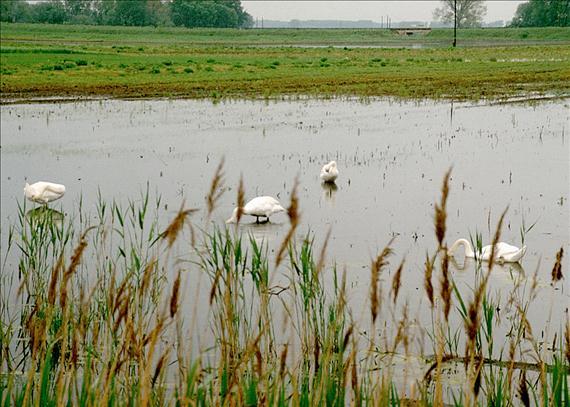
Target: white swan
x,y
329,172
262,206
504,252
44,192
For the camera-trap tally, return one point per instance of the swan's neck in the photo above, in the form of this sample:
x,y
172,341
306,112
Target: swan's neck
x,y
466,247
233,218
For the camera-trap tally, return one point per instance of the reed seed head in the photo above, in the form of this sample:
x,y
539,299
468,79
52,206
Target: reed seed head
x,y
216,188
293,213
445,284
441,210
428,272
172,231
523,389
240,198
557,269
174,296
375,269
396,281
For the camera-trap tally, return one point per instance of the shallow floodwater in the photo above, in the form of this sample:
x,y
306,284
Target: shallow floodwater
x,y
391,155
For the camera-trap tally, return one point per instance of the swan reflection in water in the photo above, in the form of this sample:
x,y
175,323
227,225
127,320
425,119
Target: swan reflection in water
x,y
329,190
43,213
261,232
513,270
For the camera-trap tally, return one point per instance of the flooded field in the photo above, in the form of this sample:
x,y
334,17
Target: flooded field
x,y
391,156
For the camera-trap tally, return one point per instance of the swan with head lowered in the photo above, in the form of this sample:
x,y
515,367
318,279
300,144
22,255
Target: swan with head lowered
x,y
260,207
504,252
43,192
329,172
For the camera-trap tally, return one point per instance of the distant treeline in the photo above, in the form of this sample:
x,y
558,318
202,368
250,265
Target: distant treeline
x,y
542,13
188,13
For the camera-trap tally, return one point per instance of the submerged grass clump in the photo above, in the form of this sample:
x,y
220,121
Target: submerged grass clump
x,y
113,308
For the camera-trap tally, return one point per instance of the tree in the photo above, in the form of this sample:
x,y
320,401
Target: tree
x,y
51,12
16,11
209,13
131,12
470,13
542,13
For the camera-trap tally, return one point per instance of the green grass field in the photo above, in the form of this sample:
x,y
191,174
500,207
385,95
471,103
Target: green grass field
x,y
72,61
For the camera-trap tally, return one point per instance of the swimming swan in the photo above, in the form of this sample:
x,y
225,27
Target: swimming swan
x,y
44,192
504,252
261,206
329,172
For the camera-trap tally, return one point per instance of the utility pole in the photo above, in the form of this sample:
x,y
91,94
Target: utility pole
x,y
454,23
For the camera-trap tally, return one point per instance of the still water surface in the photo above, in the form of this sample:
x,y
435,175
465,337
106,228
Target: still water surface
x,y
391,156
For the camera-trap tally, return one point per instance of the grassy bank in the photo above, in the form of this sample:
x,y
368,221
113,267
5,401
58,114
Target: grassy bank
x,y
71,61
82,34
99,320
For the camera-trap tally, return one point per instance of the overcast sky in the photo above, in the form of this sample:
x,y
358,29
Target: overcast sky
x,y
363,10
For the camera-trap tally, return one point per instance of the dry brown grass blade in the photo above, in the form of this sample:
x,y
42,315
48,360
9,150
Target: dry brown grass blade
x,y
215,285
441,210
347,336
149,269
74,264
159,366
123,311
396,281
53,280
375,269
477,383
283,360
354,377
216,188
322,255
172,231
293,213
317,354
557,269
402,332
258,360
